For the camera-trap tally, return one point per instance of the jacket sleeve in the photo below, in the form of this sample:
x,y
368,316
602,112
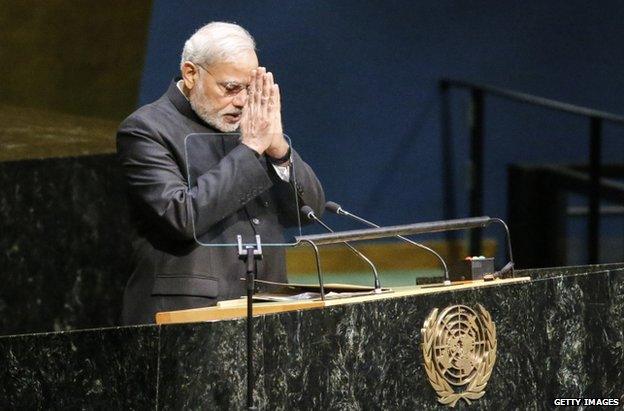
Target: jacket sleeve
x,y
158,187
303,188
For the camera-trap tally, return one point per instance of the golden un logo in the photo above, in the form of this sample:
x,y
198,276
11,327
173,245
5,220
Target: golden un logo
x,y
459,350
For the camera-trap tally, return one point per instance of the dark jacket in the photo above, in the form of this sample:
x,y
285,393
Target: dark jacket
x,y
221,190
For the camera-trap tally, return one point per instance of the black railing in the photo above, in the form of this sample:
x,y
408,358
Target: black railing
x,y
477,94
538,210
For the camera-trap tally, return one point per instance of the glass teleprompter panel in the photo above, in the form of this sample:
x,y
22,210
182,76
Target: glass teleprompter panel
x,y
235,192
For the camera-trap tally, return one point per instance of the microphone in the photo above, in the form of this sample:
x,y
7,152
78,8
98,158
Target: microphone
x,y
310,215
337,209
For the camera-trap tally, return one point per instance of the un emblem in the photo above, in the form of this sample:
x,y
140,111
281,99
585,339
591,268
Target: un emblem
x,y
459,350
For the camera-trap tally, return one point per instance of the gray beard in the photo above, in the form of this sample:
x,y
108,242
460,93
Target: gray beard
x,y
210,117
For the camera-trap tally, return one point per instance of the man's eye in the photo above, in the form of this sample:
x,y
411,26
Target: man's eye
x,y
233,88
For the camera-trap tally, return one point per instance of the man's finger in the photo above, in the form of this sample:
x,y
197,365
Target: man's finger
x,y
257,95
250,94
266,91
252,83
266,86
277,98
259,75
271,102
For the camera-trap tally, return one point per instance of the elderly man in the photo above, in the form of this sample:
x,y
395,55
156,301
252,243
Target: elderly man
x,y
230,183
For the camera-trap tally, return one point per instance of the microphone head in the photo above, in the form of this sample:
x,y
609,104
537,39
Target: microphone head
x,y
333,207
308,212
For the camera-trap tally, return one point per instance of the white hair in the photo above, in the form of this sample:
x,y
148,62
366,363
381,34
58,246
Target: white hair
x,y
217,42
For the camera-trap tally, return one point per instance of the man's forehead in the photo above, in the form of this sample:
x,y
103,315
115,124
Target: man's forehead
x,y
237,66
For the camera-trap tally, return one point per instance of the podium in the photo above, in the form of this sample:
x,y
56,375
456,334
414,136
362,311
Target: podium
x,y
559,335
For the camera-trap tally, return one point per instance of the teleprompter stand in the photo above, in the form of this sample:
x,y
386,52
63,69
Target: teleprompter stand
x,y
250,253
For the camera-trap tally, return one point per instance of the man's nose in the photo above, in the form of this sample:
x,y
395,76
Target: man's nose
x,y
240,99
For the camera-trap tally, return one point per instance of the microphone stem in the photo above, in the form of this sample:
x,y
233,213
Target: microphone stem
x,y
356,251
424,247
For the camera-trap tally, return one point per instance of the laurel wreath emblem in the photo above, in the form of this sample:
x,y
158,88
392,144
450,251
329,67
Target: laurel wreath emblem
x,y
475,389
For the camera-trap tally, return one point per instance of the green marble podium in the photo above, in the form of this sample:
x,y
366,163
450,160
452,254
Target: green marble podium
x,y
560,335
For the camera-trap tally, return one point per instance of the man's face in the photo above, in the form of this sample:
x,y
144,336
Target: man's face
x,y
220,92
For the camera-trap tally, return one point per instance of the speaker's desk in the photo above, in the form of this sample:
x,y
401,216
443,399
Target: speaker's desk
x,y
232,309
560,335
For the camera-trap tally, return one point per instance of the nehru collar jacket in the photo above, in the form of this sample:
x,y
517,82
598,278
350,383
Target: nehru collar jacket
x,y
191,188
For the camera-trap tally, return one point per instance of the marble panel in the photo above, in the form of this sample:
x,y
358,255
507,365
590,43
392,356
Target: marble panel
x,y
368,356
65,244
558,336
114,368
203,366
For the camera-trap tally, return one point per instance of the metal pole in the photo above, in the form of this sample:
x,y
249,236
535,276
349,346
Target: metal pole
x,y
251,269
476,165
317,255
249,253
593,223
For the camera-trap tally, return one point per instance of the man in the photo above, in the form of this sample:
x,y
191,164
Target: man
x,y
218,186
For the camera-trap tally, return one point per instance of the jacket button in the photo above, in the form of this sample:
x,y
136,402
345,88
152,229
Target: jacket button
x,y
256,221
265,203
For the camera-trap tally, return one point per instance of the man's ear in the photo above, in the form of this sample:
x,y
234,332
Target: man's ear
x,y
190,73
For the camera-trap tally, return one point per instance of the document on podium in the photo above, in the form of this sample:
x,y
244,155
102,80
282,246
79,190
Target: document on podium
x,y
295,291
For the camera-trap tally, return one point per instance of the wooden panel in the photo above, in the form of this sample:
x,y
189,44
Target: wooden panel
x,y
233,309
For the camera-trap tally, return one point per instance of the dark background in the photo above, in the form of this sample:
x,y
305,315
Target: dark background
x,y
359,85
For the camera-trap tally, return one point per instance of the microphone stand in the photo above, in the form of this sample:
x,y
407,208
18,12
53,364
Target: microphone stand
x,y
339,210
309,213
250,254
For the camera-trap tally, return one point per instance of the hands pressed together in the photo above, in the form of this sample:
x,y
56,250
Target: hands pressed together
x,y
261,123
